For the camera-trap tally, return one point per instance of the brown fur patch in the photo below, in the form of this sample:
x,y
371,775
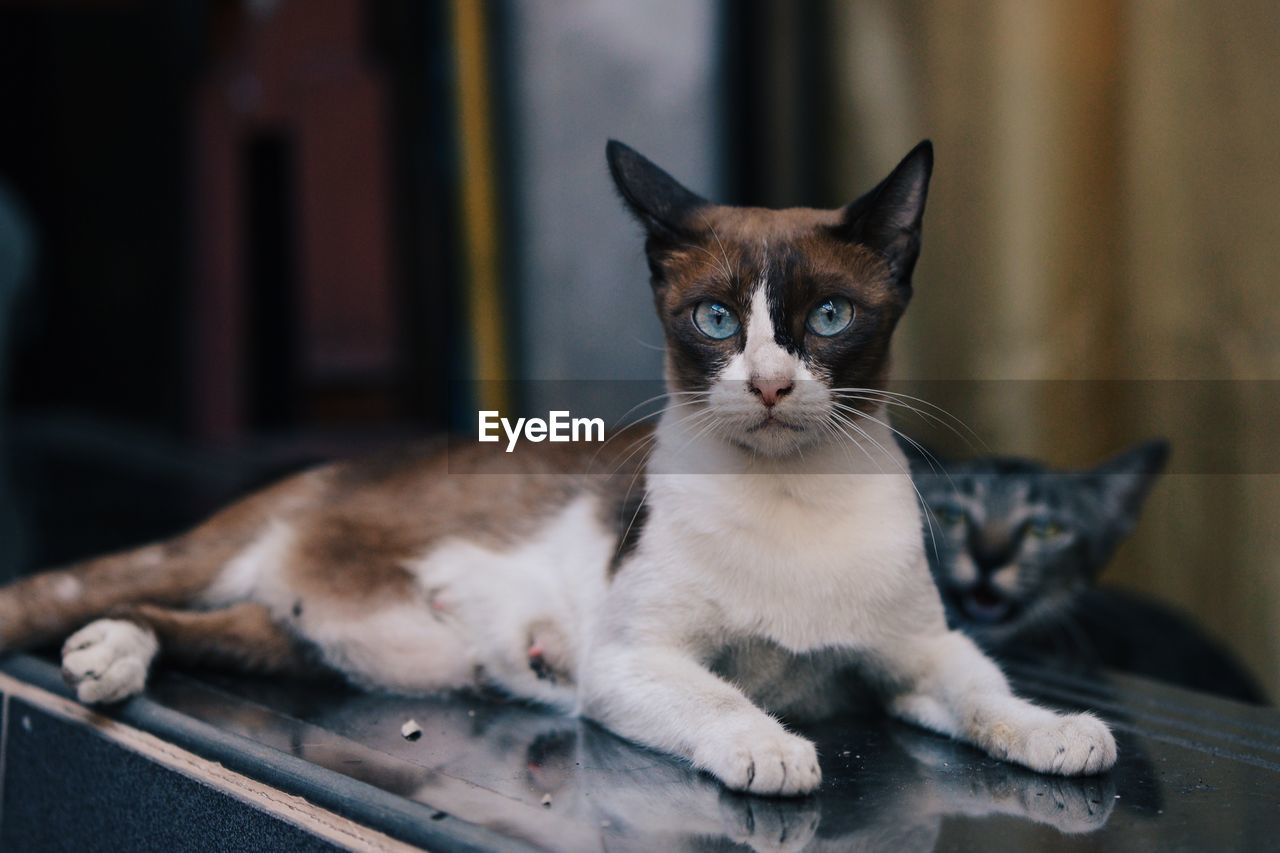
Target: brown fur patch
x,y
356,524
804,258
378,514
242,637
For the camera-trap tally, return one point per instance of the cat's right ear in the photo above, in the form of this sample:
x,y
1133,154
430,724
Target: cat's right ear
x,y
1125,480
888,219
663,206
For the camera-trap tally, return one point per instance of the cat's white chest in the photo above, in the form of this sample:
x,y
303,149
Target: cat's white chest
x,y
808,570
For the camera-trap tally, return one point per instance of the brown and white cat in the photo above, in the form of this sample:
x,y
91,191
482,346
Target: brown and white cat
x,y
775,568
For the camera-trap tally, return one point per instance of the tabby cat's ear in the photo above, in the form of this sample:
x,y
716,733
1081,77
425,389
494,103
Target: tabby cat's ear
x,y
1124,481
888,218
663,206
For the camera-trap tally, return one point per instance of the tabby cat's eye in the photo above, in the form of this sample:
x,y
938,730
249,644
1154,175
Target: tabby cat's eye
x,y
832,316
715,320
1045,529
948,516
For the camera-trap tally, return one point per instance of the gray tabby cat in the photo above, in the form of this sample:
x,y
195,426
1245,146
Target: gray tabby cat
x,y
1019,551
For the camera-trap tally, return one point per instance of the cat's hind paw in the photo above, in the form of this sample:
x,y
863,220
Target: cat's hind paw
x,y
1073,745
107,660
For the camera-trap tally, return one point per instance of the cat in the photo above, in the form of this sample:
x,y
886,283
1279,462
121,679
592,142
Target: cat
x,y
773,568
1019,551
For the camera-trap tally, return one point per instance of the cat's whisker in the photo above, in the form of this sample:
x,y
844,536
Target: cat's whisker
x,y
596,455
648,345
927,416
934,464
899,399
664,395
659,412
930,404
889,401
650,440
924,507
642,468
836,423
843,445
692,421
723,253
708,426
640,446
640,420
945,419
721,265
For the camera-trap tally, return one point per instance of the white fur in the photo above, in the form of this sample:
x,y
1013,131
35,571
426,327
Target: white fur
x,y
246,574
472,618
68,589
108,660
493,598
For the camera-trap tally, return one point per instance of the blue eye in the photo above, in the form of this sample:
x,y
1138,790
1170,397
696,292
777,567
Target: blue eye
x,y
831,317
715,321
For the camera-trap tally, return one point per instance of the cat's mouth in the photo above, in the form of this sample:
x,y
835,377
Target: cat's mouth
x,y
773,422
984,603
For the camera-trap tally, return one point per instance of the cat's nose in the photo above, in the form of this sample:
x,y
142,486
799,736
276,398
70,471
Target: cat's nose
x,y
990,555
770,391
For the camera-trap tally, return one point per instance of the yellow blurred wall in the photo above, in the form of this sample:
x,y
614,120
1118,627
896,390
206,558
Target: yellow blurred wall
x,y
1106,205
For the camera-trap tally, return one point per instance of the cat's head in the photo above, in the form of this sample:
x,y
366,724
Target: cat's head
x,y
771,315
1017,541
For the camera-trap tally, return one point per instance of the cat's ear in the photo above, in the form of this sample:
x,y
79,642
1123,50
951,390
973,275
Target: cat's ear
x,y
888,218
663,206
1125,480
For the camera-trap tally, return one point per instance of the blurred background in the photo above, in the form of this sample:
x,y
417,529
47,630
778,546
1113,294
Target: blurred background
x,y
241,236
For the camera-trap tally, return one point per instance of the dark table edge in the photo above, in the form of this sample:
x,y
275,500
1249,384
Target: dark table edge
x,y
365,804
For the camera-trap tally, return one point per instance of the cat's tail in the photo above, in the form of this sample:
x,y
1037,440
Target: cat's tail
x,y
48,606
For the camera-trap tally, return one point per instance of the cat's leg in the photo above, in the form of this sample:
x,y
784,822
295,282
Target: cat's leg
x,y
108,660
663,698
943,682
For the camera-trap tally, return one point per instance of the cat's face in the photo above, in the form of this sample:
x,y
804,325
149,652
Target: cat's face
x,y
774,318
1016,542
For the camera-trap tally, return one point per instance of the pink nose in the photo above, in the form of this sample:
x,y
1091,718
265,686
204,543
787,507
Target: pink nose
x,y
770,391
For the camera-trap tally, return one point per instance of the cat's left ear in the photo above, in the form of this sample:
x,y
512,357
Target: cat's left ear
x,y
889,217
661,203
1125,480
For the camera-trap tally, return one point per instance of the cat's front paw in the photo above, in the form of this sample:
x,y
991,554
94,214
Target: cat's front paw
x,y
762,760
107,660
1074,745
